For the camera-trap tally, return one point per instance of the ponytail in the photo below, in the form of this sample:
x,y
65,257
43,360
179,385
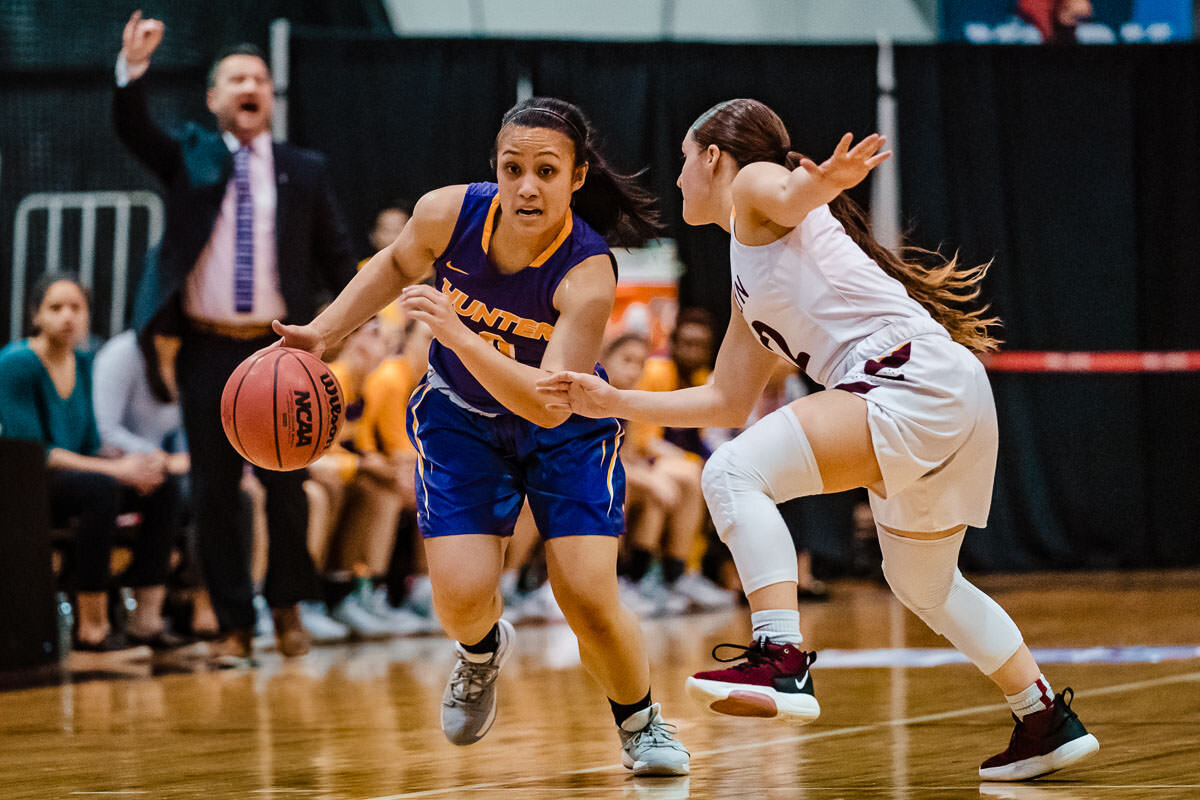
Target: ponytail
x,y
945,288
749,131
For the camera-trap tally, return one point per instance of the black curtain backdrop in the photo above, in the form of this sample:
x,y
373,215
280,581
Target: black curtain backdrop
x,y
1073,169
399,117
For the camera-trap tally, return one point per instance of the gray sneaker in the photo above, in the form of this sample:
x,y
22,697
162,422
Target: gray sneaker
x,y
469,703
649,747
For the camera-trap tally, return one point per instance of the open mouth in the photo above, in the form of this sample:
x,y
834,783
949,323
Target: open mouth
x,y
249,106
529,212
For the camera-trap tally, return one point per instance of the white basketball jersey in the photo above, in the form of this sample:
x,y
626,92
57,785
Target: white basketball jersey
x,y
814,297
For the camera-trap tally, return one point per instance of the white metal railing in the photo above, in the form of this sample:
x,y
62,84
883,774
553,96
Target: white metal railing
x,y
89,204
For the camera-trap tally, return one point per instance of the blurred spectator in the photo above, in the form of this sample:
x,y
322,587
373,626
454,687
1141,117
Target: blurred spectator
x,y
137,411
253,234
1056,20
383,431
664,503
688,364
387,225
46,396
365,489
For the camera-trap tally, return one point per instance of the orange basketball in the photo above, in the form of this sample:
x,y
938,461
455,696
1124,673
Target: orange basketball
x,y
281,408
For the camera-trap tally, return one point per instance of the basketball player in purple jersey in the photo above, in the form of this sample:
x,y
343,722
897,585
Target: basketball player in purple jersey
x,y
912,419
523,285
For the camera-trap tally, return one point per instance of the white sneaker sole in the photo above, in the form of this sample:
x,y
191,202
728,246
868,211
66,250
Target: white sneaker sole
x,y
1066,755
741,700
646,769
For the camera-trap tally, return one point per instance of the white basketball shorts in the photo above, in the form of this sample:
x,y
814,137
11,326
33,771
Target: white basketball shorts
x,y
933,427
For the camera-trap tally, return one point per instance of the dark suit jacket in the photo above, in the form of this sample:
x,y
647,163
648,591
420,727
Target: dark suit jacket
x,y
314,252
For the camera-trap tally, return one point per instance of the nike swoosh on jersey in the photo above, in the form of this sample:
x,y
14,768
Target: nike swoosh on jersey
x,y
456,269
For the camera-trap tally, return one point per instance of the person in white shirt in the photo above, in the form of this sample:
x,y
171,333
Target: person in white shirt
x,y
909,415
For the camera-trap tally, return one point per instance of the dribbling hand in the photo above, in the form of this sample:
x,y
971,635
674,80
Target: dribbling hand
x,y
586,395
846,168
301,337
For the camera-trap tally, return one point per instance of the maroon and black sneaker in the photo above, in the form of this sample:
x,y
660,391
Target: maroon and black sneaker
x,y
768,680
1041,743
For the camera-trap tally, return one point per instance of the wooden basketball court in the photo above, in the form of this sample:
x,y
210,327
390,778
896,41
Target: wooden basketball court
x,y
361,722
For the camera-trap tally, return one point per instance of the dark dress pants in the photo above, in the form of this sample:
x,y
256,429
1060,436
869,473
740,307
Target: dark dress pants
x,y
204,364
93,501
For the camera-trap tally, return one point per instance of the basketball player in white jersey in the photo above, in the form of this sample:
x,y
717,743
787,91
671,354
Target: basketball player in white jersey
x,y
909,415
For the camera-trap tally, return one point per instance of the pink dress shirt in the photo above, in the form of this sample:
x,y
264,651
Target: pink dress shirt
x,y
208,291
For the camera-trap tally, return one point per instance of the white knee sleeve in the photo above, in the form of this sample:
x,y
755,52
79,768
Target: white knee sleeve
x,y
924,576
768,463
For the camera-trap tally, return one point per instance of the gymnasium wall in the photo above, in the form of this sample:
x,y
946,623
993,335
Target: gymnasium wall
x,y
1075,169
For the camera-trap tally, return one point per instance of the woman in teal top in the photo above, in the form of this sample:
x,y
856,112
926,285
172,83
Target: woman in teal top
x,y
46,396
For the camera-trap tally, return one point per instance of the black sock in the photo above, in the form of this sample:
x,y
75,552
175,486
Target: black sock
x,y
639,563
672,569
336,590
488,644
624,712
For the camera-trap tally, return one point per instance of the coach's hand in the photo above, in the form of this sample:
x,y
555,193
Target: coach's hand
x,y
138,41
302,337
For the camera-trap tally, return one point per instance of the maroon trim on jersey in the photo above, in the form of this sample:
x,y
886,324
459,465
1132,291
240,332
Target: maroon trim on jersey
x,y
856,387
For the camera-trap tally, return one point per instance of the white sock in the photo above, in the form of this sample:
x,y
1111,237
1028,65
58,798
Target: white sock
x,y
1036,697
777,624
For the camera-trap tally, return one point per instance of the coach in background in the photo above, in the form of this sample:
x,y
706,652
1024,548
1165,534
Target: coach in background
x,y
253,234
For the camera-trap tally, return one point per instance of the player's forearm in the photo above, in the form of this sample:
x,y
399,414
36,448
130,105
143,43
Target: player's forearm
x,y
694,407
376,284
59,458
512,383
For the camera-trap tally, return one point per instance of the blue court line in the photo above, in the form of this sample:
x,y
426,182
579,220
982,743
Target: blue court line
x,y
936,657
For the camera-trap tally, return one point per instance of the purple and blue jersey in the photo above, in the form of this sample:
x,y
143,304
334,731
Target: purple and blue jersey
x,y
514,312
475,470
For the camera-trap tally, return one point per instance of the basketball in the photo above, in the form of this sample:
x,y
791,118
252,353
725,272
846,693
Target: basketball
x,y
281,408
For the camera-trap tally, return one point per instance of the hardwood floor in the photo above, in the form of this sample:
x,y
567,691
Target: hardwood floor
x,y
360,722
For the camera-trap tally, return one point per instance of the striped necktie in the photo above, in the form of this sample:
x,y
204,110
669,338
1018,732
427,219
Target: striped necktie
x,y
243,242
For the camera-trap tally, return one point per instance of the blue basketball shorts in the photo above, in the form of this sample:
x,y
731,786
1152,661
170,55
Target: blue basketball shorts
x,y
474,472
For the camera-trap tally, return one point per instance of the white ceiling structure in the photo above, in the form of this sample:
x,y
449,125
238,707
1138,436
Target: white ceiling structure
x,y
749,21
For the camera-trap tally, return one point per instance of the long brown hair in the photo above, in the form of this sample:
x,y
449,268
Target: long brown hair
x,y
749,131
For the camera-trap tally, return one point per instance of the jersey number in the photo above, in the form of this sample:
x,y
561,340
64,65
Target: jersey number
x,y
499,343
767,335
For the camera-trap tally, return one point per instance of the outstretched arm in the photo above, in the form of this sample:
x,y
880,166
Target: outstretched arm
x,y
772,192
135,128
404,262
743,366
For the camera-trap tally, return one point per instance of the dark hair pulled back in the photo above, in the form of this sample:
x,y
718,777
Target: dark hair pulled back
x,y
618,207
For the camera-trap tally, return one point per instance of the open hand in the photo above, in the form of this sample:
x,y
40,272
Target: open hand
x,y
138,41
587,395
846,167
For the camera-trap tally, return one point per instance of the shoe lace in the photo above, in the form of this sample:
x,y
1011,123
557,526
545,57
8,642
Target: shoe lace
x,y
754,654
470,680
656,734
